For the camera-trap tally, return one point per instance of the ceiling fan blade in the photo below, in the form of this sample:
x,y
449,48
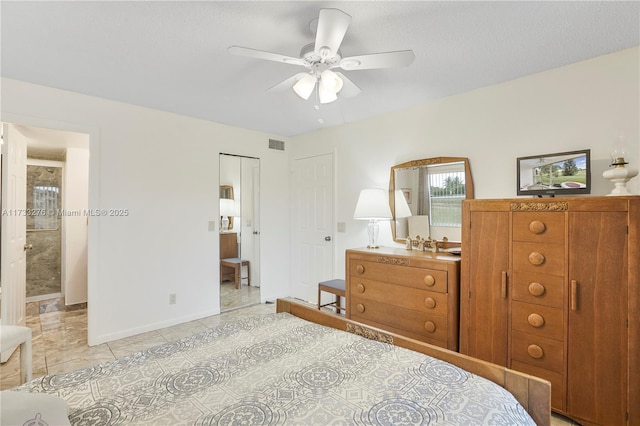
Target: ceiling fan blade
x,y
401,58
286,84
332,26
260,54
349,88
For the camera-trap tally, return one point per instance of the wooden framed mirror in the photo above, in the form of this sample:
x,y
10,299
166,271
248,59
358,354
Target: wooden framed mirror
x,y
426,196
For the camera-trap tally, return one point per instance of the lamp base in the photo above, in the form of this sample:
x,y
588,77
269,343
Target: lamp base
x,y
619,175
372,230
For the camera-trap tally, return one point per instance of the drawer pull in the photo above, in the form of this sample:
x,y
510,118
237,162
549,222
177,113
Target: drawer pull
x,y
360,269
503,285
574,295
360,307
430,326
360,288
535,351
536,289
536,320
537,227
536,258
429,280
430,302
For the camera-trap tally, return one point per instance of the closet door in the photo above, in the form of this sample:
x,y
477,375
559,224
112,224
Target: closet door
x,y
485,293
598,312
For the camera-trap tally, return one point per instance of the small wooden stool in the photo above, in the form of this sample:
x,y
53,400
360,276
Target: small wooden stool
x,y
336,287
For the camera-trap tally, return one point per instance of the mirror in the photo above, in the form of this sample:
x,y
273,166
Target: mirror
x,y
426,196
239,199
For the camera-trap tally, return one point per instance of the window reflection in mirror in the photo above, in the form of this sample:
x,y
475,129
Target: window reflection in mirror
x,y
427,198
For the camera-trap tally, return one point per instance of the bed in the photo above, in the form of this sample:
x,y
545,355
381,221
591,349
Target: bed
x,y
298,366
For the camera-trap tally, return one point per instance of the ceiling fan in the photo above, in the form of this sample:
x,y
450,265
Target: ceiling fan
x,y
323,56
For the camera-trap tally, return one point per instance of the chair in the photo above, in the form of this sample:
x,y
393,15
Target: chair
x,y
12,336
336,287
229,259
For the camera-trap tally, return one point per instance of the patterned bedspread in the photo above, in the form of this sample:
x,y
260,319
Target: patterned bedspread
x,y
278,369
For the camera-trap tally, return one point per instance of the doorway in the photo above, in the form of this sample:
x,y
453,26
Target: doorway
x,y
51,248
239,231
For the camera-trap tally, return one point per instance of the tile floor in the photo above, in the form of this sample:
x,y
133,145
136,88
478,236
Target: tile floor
x,y
60,343
232,297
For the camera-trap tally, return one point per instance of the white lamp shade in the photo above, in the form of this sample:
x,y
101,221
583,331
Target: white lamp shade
x,y
304,86
331,81
227,207
328,87
372,204
401,206
326,96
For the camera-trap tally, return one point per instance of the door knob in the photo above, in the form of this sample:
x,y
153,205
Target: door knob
x,y
327,238
256,232
28,247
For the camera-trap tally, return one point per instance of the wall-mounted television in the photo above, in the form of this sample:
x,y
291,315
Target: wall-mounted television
x,y
555,174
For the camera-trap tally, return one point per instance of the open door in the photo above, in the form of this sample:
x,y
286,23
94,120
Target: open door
x,y
13,240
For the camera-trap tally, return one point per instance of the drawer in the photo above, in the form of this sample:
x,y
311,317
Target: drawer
x,y
558,387
384,316
537,351
539,258
540,289
539,227
537,319
406,297
422,278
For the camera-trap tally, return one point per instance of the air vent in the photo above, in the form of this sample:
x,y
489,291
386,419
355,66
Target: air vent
x,y
276,144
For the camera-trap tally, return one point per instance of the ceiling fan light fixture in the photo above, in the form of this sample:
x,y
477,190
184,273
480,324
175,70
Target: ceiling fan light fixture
x,y
326,96
331,81
304,86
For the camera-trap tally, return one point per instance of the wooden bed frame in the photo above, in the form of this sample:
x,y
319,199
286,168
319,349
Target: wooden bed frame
x,y
533,393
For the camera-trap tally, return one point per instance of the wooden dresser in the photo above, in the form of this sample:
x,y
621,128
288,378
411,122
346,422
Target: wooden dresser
x,y
549,287
409,292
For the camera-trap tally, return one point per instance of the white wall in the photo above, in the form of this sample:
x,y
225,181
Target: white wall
x,y
584,105
76,199
163,168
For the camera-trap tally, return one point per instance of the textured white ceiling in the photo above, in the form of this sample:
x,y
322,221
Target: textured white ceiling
x,y
171,55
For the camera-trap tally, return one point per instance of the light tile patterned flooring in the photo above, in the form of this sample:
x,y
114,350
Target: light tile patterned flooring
x,y
60,343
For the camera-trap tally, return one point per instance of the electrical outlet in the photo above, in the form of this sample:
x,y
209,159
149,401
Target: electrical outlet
x,y
172,299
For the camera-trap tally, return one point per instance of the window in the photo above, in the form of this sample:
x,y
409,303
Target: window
x,y
45,200
446,191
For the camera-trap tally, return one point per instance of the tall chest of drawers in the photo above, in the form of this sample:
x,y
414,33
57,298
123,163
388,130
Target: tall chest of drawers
x,y
409,292
550,287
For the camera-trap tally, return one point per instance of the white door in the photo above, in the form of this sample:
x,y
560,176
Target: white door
x,y
255,265
250,217
13,257
313,221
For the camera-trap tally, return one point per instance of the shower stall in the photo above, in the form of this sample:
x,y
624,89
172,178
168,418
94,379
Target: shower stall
x,y
44,229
